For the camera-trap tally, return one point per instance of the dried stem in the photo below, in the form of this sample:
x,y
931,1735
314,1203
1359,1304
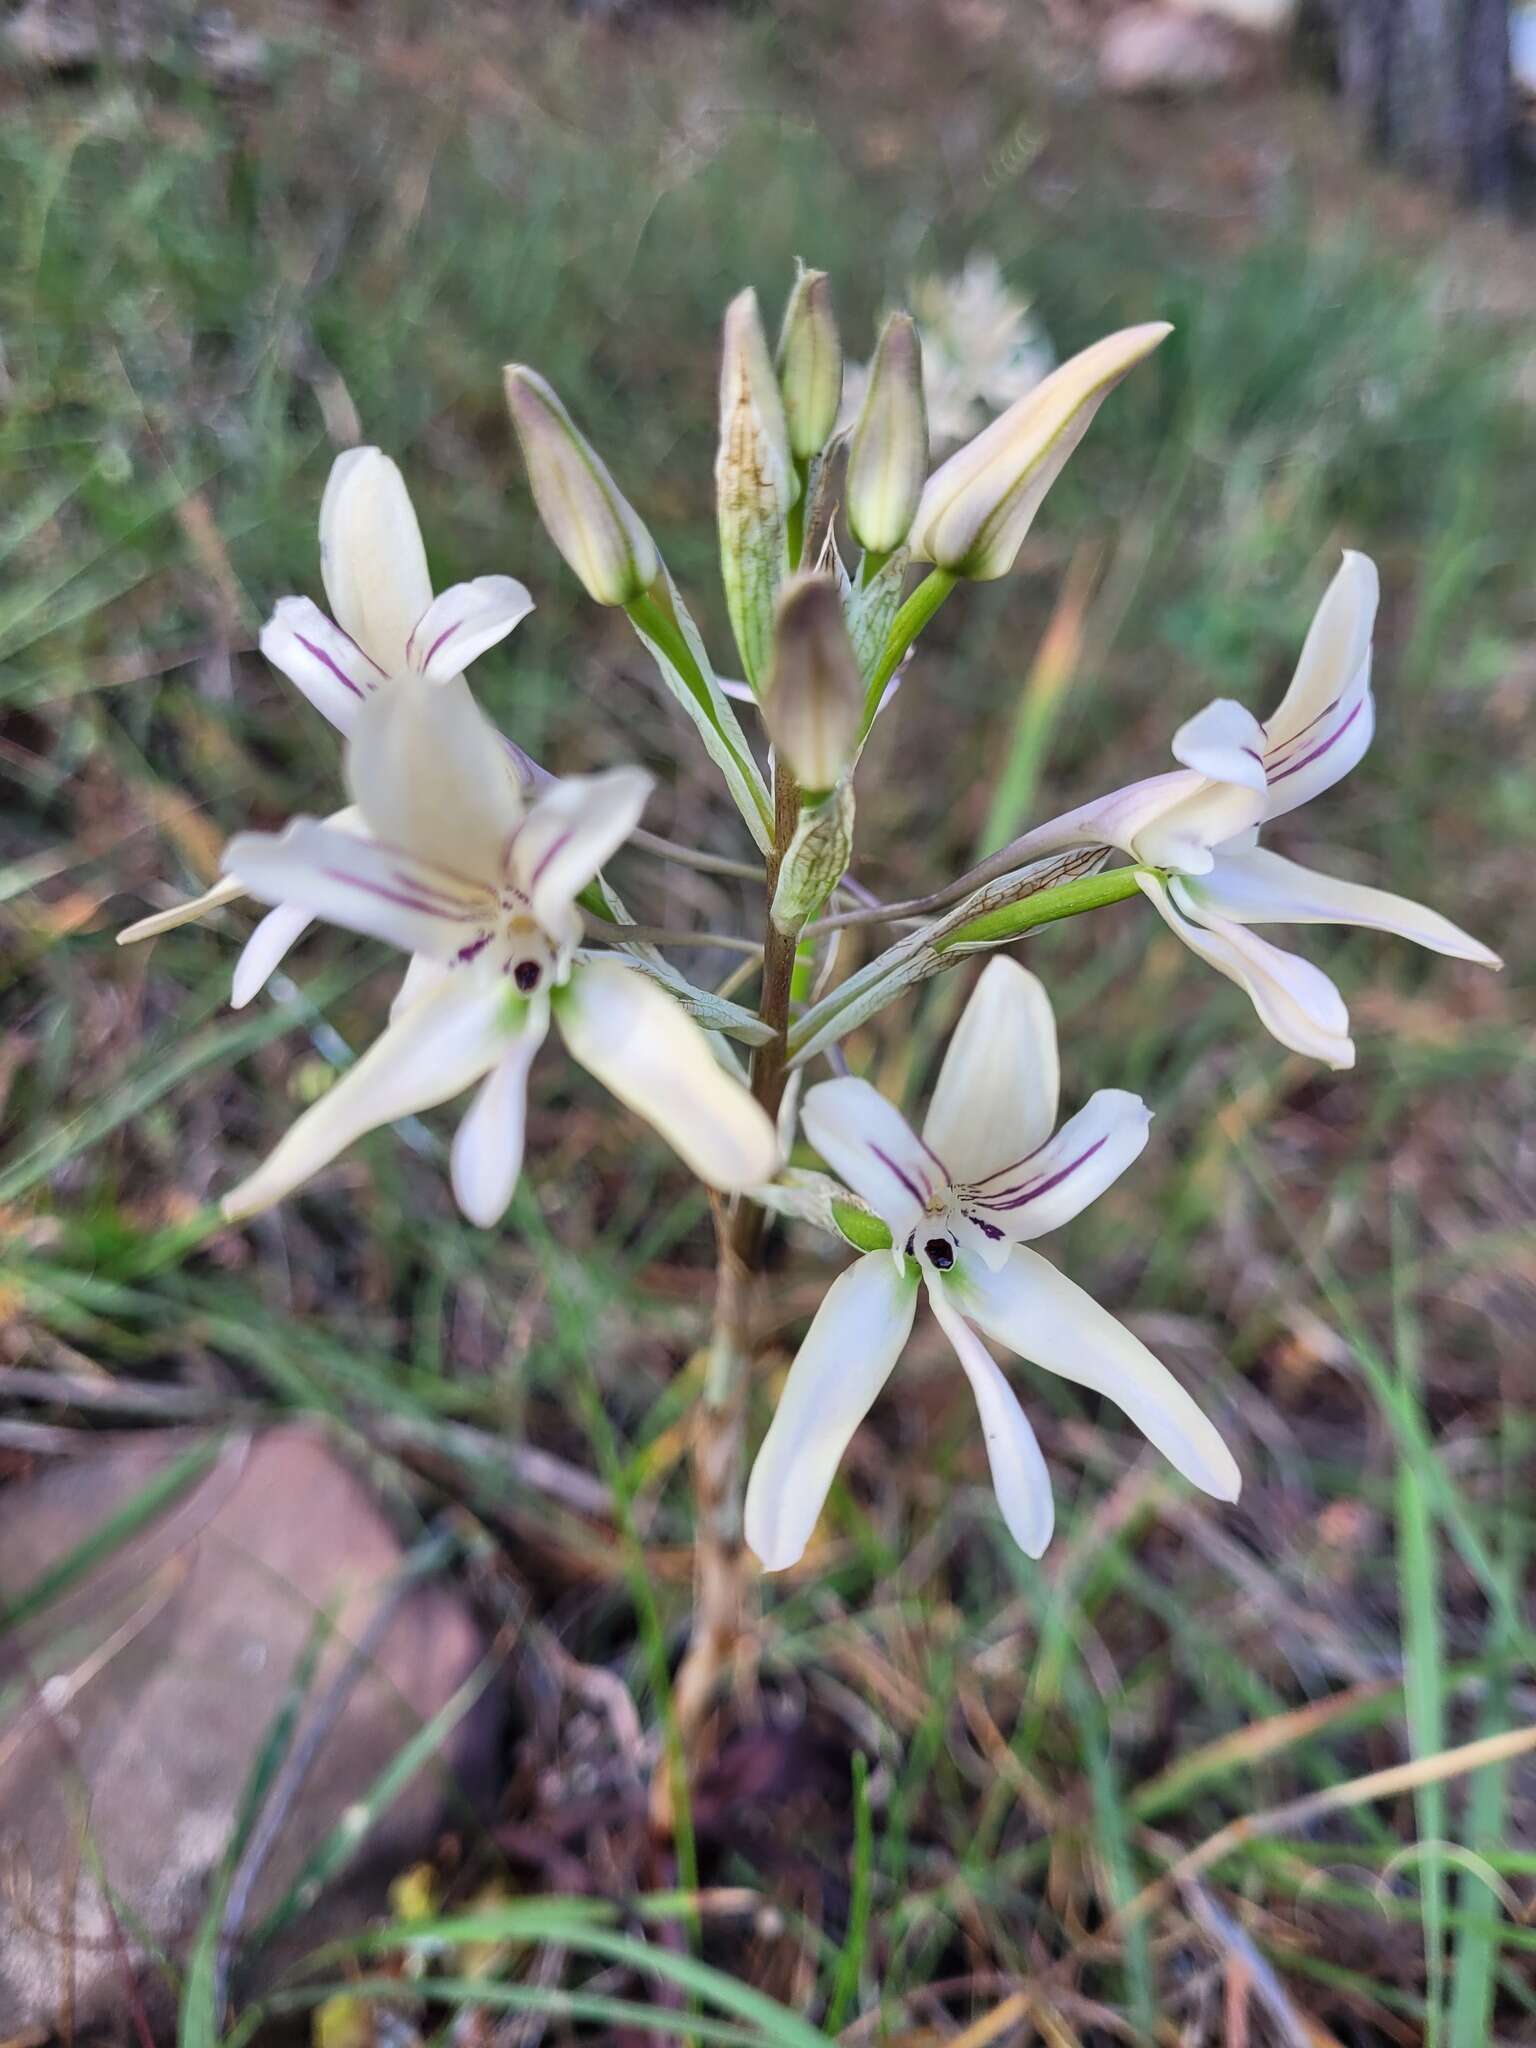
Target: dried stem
x,y
721,1572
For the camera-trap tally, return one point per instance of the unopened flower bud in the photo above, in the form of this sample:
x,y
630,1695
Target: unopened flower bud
x,y
817,860
978,506
584,512
810,364
888,457
755,482
813,698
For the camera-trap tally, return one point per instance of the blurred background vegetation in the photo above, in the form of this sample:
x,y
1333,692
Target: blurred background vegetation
x,y
230,251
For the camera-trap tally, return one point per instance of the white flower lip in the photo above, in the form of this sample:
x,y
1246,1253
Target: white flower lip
x,y
990,1171
480,888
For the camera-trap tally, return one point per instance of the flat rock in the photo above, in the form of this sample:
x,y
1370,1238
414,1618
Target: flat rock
x,y
133,1707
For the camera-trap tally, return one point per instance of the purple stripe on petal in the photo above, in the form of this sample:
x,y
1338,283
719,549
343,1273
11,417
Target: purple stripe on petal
x,y
446,634
918,1194
1011,1199
335,668
975,1186
1322,747
554,847
453,906
405,900
1301,732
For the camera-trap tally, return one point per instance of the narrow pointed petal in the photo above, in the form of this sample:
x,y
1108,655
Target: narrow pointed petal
x,y
228,890
847,1356
320,660
644,1049
364,886
1224,741
264,951
436,1049
572,827
1019,1476
371,558
1057,1181
872,1148
1295,1000
1336,654
1259,887
997,1090
487,1152
461,624
1047,1319
429,773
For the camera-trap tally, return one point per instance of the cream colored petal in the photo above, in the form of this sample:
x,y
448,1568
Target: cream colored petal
x,y
1045,1318
435,1050
1336,653
872,1149
1259,887
1059,1179
265,950
460,625
227,890
573,826
320,660
364,886
1295,1000
1225,742
487,1152
1172,820
1324,752
995,1101
1019,1476
643,1048
371,558
847,1356
429,773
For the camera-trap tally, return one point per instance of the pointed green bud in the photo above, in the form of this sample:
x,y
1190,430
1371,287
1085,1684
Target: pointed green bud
x,y
813,696
817,859
888,456
810,364
584,512
755,482
978,506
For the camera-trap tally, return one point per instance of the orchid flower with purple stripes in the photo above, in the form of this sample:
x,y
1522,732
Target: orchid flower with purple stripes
x,y
1200,826
386,624
960,1202
479,887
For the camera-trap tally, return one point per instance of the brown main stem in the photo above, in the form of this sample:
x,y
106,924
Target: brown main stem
x,y
720,1570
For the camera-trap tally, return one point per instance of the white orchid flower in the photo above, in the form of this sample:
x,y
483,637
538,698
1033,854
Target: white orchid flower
x,y
480,889
988,1174
386,624
1201,824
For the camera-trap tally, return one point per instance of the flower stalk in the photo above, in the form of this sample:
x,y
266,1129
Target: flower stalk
x,y
723,1575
